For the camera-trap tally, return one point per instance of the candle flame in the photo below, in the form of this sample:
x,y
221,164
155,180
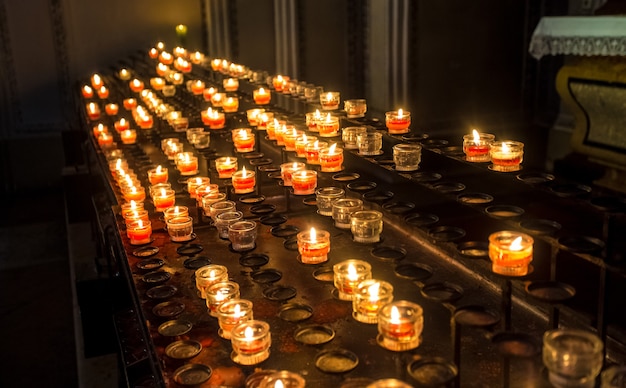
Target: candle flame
x,y
140,223
352,273
279,384
244,172
133,204
516,245
158,169
374,291
317,114
328,118
248,333
400,113
238,311
261,91
476,135
331,149
243,133
160,45
212,274
313,235
395,315
505,148
176,210
329,96
87,89
163,193
96,79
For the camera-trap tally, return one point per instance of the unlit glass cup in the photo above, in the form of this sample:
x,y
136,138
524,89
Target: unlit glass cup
x,y
348,136
224,220
355,108
573,357
366,226
343,209
325,196
407,157
614,377
210,198
180,228
219,207
370,143
242,235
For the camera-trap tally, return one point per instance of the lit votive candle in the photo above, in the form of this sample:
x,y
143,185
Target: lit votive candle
x,y
311,119
129,103
331,158
197,87
264,119
162,69
313,246
157,175
217,99
136,85
216,64
244,181
282,379
330,100
232,313
343,209
129,136
242,235
216,119
226,166
187,164
93,111
301,142
194,183
111,109
328,126
251,342
121,125
131,206
105,140
243,140
510,252
157,83
230,104
103,92
87,91
366,226
312,150
99,129
355,108
139,232
286,169
175,211
135,215
253,116
208,275
155,189
261,96
196,57
96,81
289,138
325,197
304,182
208,93
124,74
231,84
400,325
163,199
398,122
145,121
348,274
180,228
219,293
476,146
506,155
134,193
369,297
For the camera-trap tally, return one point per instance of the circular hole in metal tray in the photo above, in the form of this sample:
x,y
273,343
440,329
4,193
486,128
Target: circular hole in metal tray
x,y
184,349
324,274
346,176
446,233
269,167
192,374
434,143
273,219
156,277
150,264
504,212
535,178
540,226
279,293
254,260
378,196
474,198
399,207
475,316
388,253
196,262
284,231
432,371
314,334
443,292
262,209
266,276
295,312
336,361
253,155
189,249
570,190
174,328
251,199
609,203
146,251
453,151
517,345
550,291
254,380
356,382
421,219
164,291
414,271
384,160
473,249
291,244
361,186
260,162
310,200
426,176
448,187
168,309
275,175
414,137
582,244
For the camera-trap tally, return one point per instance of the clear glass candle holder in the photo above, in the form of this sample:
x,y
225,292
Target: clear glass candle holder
x,y
311,119
128,136
325,196
216,208
251,342
230,84
193,133
389,383
369,297
400,325
134,193
265,119
330,100
331,159
261,96
226,166
573,357
301,142
219,293
253,116
135,215
506,155
283,378
208,275
286,169
163,199
289,138
158,188
313,246
230,104
180,228
366,226
244,181
195,182
348,136
224,220
510,252
348,274
209,199
187,164
168,90
244,141
175,211
232,313
614,377
355,108
312,151
398,122
210,191
139,232
343,209
476,147
242,235
370,143
328,126
407,157
304,182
